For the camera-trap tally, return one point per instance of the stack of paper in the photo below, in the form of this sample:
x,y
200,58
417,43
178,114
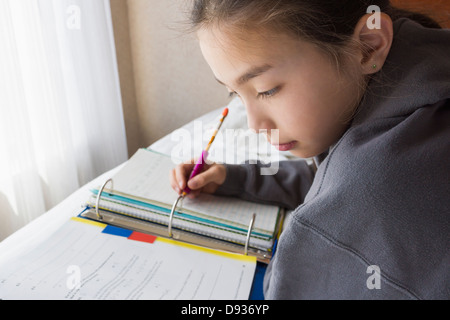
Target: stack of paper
x,y
141,189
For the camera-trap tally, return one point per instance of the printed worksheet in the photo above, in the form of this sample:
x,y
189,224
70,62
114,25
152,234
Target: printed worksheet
x,y
83,261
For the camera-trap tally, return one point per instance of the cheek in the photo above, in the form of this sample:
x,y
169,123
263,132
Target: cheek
x,y
326,101
299,112
310,119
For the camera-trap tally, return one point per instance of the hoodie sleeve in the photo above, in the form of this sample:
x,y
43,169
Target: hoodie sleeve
x,y
283,183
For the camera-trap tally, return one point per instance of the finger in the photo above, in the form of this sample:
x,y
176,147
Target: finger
x,y
202,179
173,182
182,172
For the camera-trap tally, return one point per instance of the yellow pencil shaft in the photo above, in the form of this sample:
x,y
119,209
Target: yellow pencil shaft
x,y
214,134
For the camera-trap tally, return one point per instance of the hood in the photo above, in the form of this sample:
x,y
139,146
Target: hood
x,y
416,73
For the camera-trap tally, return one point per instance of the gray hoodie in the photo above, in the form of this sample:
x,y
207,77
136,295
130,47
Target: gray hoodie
x,y
374,221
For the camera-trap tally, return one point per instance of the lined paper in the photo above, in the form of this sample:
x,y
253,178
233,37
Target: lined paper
x,y
146,176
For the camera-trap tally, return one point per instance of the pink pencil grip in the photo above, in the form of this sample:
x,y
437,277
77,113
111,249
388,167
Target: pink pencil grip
x,y
197,169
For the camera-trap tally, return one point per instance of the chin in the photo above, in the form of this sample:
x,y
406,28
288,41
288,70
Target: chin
x,y
299,154
305,153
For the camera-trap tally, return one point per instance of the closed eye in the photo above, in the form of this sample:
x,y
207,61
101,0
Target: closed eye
x,y
263,95
269,93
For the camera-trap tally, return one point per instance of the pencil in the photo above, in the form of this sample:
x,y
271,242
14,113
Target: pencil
x,y
201,161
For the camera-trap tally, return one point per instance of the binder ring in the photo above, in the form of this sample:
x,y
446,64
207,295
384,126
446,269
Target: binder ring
x,y
97,202
250,228
174,206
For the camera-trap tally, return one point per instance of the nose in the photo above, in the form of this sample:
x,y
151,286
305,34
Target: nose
x,y
258,119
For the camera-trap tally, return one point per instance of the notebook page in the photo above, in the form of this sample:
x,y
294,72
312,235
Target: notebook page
x,y
146,175
236,210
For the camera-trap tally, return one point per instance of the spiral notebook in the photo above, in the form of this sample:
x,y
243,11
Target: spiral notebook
x,y
139,197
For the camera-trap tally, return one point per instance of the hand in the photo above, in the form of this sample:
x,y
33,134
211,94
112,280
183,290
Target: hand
x,y
211,177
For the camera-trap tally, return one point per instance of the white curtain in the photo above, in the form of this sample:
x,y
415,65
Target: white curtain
x,y
61,120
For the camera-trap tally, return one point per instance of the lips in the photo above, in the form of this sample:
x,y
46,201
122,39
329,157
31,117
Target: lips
x,y
285,146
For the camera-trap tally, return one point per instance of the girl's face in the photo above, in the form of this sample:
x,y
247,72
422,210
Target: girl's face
x,y
285,84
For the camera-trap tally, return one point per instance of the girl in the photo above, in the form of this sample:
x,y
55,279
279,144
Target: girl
x,y
366,95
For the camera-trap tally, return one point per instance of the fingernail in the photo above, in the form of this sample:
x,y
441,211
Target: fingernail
x,y
181,185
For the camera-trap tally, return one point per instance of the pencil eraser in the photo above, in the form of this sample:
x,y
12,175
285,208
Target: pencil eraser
x,y
225,112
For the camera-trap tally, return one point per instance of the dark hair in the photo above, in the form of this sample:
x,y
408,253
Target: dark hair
x,y
327,23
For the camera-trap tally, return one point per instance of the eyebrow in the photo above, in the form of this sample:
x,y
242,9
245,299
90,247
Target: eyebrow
x,y
250,74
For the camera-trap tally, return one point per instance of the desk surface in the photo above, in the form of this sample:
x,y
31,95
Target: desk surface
x,y
38,230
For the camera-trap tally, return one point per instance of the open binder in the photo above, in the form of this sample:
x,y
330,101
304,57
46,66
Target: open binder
x,y
140,198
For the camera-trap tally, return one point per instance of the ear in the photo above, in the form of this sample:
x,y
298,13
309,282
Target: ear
x,y
375,34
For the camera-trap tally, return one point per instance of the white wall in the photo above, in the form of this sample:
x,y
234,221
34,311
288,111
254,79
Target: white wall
x,y
164,78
